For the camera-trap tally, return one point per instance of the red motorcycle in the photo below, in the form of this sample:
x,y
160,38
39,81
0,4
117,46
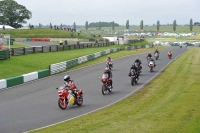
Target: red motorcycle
x,y
67,97
170,56
106,84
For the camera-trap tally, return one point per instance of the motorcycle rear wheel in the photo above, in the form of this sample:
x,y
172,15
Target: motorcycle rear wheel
x,y
62,104
80,100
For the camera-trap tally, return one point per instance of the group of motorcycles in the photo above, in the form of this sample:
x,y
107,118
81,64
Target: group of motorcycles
x,y
66,97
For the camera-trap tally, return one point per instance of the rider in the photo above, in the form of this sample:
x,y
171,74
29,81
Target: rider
x,y
108,59
169,52
107,71
134,68
149,55
70,84
157,52
151,59
139,62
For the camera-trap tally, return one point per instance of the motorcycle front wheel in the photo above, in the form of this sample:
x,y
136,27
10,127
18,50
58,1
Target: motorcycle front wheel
x,y
62,103
132,81
103,90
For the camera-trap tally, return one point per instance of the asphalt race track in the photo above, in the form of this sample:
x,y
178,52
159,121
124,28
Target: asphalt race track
x,y
35,104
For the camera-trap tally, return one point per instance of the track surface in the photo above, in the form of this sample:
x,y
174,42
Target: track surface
x,y
34,105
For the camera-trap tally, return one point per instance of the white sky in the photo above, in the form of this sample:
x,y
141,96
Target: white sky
x,y
80,11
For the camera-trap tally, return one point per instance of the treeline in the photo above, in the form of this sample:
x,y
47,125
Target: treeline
x,y
102,24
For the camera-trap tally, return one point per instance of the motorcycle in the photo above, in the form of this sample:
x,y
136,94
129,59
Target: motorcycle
x,y
109,65
180,46
156,55
66,97
133,77
148,59
170,56
138,67
151,66
106,84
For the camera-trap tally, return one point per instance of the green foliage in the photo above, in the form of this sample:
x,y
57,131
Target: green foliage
x,y
86,25
127,24
51,26
141,25
103,24
74,25
191,24
174,25
13,14
158,25
113,25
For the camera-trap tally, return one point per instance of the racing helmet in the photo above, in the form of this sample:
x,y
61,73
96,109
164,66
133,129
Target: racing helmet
x,y
67,78
107,69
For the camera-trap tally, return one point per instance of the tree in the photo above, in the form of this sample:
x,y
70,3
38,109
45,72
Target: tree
x,y
40,25
74,26
86,25
127,24
158,25
174,25
13,14
141,25
51,26
61,26
99,25
113,25
191,24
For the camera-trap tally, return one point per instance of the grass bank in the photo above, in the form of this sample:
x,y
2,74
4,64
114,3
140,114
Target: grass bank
x,y
43,33
18,65
169,104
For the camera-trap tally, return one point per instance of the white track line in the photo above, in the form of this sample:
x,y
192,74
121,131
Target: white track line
x,y
113,102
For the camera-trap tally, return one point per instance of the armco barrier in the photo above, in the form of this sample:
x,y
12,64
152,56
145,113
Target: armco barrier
x,y
55,68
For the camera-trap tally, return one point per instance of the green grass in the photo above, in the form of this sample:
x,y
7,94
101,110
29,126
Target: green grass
x,y
43,33
153,28
23,64
169,104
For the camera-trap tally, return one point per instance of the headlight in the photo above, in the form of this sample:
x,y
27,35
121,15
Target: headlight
x,y
132,73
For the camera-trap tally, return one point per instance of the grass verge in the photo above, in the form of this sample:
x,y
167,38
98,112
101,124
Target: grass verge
x,y
169,104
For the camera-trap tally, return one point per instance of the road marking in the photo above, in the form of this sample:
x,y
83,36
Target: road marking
x,y
134,91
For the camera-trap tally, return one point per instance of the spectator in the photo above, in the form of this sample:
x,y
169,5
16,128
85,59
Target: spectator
x,y
77,41
78,33
4,27
66,42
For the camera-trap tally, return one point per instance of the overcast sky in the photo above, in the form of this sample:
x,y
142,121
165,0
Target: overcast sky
x,y
80,11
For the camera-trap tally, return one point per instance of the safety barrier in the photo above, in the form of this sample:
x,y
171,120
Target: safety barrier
x,y
62,66
53,48
4,54
12,81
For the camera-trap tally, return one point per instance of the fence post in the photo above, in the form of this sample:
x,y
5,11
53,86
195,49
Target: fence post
x,y
33,49
13,52
42,49
50,48
57,47
24,50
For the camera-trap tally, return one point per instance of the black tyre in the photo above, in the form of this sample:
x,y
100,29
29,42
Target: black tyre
x,y
62,104
80,100
132,81
103,90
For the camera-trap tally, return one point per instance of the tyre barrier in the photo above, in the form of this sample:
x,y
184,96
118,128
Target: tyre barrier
x,y
38,39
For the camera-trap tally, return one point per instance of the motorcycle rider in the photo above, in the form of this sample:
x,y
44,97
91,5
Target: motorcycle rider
x,y
139,62
70,84
151,59
107,71
108,60
169,52
149,55
136,70
157,52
